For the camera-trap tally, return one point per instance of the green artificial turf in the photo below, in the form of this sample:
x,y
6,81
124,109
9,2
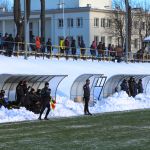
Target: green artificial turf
x,y
109,131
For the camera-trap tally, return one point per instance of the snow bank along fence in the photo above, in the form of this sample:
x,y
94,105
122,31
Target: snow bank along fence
x,y
9,82
115,81
97,82
54,51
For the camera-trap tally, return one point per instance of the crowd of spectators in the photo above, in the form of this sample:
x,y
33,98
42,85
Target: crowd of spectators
x,y
66,47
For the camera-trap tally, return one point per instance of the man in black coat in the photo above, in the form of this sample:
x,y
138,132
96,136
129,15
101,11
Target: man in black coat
x,y
124,86
140,86
45,100
86,97
20,94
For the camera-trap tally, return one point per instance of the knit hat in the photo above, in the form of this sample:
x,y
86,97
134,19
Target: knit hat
x,y
46,83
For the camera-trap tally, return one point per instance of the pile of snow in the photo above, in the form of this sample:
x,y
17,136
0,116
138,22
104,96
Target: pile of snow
x,y
11,115
67,108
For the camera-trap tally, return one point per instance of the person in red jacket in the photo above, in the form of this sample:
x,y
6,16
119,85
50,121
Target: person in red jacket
x,y
38,44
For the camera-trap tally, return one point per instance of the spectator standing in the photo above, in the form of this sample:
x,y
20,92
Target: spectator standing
x,y
67,44
99,49
82,48
49,46
10,45
61,45
73,47
38,44
93,48
32,43
1,41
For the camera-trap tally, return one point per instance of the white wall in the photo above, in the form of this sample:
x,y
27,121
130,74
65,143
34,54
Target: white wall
x,y
100,4
75,31
100,31
10,27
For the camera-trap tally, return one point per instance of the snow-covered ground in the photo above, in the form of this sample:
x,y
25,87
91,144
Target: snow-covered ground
x,y
65,107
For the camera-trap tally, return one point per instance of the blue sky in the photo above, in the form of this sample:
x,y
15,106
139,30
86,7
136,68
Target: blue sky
x,y
133,1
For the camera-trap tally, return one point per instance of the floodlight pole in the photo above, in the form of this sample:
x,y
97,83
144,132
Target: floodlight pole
x,y
127,29
63,9
25,31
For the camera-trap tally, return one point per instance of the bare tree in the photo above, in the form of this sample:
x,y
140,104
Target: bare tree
x,y
43,20
18,19
118,23
6,4
141,21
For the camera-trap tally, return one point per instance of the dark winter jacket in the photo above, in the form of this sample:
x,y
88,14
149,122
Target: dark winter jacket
x,y
73,47
140,87
124,86
86,90
133,88
45,96
49,46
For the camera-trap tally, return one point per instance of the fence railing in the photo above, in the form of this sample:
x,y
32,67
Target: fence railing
x,y
55,51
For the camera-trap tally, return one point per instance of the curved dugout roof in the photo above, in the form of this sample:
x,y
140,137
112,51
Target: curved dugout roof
x,y
9,82
115,81
76,92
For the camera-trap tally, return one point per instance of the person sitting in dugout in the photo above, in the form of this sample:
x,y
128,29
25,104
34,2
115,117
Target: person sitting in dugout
x,y
140,86
132,87
124,86
2,99
34,99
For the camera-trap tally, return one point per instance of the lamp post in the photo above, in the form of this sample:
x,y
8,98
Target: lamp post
x,y
25,30
63,9
127,28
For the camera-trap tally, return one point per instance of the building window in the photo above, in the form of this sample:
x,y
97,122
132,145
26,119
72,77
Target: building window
x,y
60,23
143,25
70,22
136,24
79,39
135,43
103,39
96,38
79,22
110,39
96,22
103,22
108,23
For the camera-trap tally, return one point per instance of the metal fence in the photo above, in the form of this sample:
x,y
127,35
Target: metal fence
x,y
55,51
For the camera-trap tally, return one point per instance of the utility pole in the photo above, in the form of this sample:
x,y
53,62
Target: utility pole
x,y
127,28
25,31
63,5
